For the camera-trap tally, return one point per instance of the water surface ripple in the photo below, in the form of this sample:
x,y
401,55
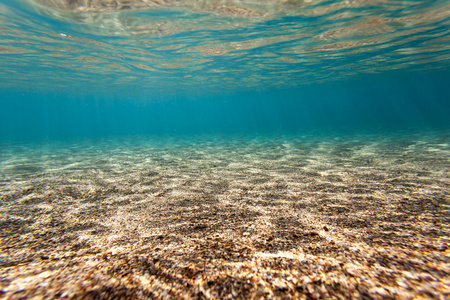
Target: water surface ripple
x,y
214,44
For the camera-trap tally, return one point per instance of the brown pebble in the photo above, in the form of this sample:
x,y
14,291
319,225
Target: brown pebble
x,y
200,227
325,228
312,233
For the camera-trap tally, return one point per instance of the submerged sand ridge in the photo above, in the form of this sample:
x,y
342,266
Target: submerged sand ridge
x,y
213,218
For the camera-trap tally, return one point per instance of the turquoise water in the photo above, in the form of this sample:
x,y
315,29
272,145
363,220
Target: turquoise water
x,y
224,149
71,70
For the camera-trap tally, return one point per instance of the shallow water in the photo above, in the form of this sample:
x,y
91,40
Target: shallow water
x,y
69,70
168,212
211,46
216,149
212,165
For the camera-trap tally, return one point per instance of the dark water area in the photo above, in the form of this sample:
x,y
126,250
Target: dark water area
x,y
371,104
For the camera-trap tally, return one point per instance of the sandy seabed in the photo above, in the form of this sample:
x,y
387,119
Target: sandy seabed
x,y
362,217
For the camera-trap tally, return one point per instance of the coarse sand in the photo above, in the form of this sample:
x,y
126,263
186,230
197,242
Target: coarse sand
x,y
227,218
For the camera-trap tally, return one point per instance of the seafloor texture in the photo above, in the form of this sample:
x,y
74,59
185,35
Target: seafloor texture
x,y
325,217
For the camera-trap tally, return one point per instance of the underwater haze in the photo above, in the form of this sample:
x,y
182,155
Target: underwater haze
x,y
89,69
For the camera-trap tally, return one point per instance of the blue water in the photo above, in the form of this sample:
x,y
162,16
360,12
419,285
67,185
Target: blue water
x,y
150,148
356,106
187,68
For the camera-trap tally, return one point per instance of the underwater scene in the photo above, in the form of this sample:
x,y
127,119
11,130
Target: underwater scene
x,y
224,149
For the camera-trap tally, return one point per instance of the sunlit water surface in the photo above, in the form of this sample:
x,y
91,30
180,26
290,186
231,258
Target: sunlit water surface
x,y
215,45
